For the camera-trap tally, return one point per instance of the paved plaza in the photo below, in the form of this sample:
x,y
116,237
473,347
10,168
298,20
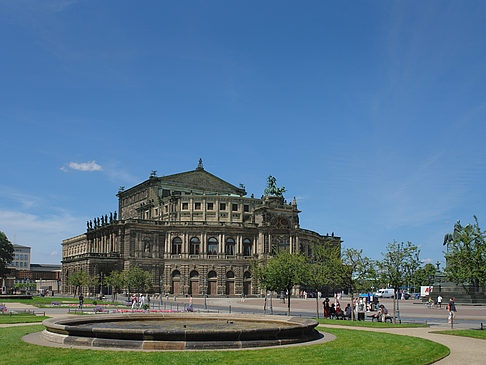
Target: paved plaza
x,y
463,349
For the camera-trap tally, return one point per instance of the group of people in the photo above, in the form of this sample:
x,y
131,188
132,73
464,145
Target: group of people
x,y
334,310
138,300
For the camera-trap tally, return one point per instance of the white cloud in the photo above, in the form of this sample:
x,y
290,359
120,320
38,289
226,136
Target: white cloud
x,y
43,233
427,261
83,166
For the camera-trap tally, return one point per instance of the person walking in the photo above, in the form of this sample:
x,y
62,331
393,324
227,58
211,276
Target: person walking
x,y
134,301
141,302
451,307
81,300
439,301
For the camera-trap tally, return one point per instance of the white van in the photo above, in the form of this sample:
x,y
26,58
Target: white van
x,y
385,293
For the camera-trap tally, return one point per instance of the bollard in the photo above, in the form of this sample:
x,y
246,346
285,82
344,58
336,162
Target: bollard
x,y
230,308
482,326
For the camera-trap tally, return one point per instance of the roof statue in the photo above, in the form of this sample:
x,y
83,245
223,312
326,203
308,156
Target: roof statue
x,y
450,237
200,165
272,188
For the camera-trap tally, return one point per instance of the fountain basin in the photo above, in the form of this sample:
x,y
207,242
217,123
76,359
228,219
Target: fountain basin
x,y
179,331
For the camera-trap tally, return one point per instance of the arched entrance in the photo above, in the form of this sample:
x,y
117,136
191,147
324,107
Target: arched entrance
x,y
176,282
247,283
212,281
230,283
194,279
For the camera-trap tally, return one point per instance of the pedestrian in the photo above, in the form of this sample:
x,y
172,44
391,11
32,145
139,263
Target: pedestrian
x,y
451,307
326,308
439,301
134,301
81,300
141,302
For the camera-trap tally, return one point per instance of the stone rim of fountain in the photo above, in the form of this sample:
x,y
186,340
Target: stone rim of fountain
x,y
284,331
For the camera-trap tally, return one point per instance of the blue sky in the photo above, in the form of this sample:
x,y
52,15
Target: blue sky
x,y
371,113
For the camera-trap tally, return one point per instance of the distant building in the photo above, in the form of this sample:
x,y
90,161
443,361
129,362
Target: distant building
x,y
194,231
25,276
21,259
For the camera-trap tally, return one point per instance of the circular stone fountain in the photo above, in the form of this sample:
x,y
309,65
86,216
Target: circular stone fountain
x,y
179,331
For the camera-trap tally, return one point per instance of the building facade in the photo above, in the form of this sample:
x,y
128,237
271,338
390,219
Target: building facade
x,y
26,277
196,234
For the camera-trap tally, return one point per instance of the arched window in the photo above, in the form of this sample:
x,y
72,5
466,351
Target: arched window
x,y
194,246
194,274
230,246
177,245
212,246
246,247
230,275
212,275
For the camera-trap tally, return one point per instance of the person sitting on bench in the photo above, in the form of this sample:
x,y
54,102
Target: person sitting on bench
x,y
382,313
339,312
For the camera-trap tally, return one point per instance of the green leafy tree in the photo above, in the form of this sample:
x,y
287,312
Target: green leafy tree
x,y
466,255
116,280
425,275
356,269
282,272
323,269
397,266
6,255
80,279
89,281
76,279
137,279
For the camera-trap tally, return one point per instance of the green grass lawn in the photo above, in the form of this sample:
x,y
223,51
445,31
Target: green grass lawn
x,y
466,333
359,347
368,323
21,319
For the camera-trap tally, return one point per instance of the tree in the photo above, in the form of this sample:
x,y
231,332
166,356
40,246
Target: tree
x,y
6,255
425,275
282,272
75,279
466,255
116,280
355,270
137,279
80,279
323,269
398,266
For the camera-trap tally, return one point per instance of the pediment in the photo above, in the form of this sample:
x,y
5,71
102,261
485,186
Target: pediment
x,y
201,180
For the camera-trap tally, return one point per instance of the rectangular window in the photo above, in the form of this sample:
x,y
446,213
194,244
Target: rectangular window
x,y
197,206
166,208
185,206
222,206
234,207
246,208
210,206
